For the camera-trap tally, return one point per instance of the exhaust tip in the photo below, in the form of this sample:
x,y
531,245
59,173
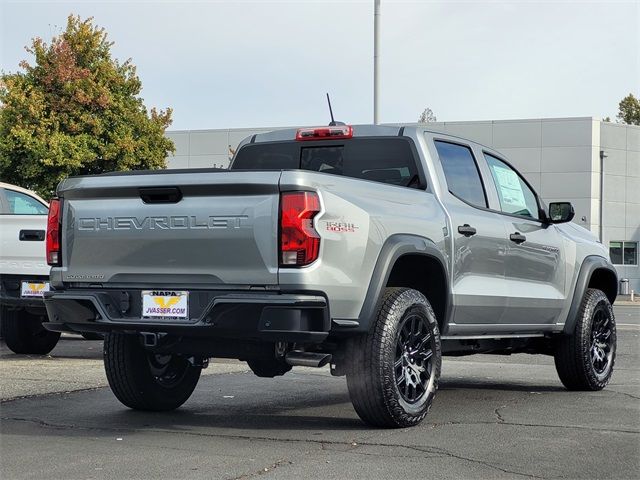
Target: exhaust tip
x,y
307,359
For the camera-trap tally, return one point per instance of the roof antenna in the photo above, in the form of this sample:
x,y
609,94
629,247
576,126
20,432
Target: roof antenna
x,y
333,123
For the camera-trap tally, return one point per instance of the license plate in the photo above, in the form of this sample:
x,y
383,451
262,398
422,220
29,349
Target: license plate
x,y
165,304
33,289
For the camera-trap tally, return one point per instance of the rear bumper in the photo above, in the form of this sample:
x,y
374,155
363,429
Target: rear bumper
x,y
10,291
241,315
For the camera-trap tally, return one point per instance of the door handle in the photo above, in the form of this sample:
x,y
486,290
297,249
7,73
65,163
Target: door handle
x,y
517,237
31,235
160,195
466,230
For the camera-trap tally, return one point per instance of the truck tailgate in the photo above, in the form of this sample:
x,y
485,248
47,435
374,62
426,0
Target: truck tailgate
x,y
174,229
22,245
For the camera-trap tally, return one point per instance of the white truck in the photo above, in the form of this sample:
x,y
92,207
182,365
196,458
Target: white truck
x,y
24,273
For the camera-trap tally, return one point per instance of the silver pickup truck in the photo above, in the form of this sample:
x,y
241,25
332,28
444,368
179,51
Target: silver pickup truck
x,y
373,249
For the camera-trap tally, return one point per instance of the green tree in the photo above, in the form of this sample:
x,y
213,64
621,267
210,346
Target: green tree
x,y
629,110
76,111
427,116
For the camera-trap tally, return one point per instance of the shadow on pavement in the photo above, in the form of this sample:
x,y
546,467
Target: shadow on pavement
x,y
497,386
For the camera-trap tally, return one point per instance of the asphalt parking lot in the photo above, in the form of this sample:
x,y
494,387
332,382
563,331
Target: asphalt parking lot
x,y
493,417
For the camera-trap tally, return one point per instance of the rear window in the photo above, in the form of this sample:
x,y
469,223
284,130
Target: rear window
x,y
387,160
461,172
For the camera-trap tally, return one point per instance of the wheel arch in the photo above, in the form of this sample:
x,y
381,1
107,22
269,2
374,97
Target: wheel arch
x,y
595,272
414,262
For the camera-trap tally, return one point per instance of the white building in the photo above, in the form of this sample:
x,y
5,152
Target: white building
x,y
561,158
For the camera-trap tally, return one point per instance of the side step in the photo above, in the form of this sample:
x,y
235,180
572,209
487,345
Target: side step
x,y
307,359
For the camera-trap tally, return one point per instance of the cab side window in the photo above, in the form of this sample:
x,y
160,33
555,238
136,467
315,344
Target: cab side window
x,y
515,196
21,204
461,172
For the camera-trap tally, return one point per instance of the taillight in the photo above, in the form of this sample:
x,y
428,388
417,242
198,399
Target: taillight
x,y
53,234
325,133
299,241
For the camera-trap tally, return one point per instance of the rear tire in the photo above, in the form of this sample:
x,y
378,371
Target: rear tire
x,y
585,359
394,369
24,333
144,381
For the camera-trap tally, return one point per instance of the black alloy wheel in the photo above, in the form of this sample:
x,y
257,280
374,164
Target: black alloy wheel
x,y
413,361
602,348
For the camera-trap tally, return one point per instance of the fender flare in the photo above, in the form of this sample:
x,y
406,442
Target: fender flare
x,y
589,265
395,247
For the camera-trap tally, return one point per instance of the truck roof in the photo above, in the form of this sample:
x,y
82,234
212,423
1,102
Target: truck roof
x,y
363,130
16,188
366,130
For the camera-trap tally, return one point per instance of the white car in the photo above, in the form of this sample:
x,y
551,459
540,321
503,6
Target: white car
x,y
24,273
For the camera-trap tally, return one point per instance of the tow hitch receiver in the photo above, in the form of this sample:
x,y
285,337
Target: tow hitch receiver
x,y
151,339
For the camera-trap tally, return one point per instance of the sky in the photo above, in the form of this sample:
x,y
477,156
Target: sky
x,y
232,64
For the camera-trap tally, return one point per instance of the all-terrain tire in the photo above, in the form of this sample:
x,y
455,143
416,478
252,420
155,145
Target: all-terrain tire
x,y
574,354
269,368
137,378
24,333
372,373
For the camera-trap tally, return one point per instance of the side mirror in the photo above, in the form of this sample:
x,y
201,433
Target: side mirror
x,y
561,212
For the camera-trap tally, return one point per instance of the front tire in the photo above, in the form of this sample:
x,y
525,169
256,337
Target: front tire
x,y
24,333
143,380
395,368
585,359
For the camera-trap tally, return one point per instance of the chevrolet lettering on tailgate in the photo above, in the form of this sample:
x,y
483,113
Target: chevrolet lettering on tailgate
x,y
177,222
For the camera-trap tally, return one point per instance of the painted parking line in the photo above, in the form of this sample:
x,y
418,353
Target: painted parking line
x,y
627,326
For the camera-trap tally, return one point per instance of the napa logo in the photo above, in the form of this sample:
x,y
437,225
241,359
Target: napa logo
x,y
36,287
164,302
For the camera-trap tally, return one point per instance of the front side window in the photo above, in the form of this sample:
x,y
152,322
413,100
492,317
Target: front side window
x,y
22,204
623,253
461,172
515,196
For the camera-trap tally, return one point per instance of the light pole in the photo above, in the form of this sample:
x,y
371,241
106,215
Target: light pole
x,y
376,81
603,155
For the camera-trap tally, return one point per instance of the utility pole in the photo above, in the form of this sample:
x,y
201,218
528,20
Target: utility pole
x,y
376,81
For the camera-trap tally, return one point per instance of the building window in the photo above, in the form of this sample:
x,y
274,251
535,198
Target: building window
x,y
623,253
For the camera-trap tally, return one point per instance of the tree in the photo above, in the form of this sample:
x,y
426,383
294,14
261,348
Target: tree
x,y
76,111
427,116
629,110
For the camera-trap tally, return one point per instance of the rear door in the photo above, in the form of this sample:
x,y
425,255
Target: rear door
x,y
23,222
479,246
535,261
